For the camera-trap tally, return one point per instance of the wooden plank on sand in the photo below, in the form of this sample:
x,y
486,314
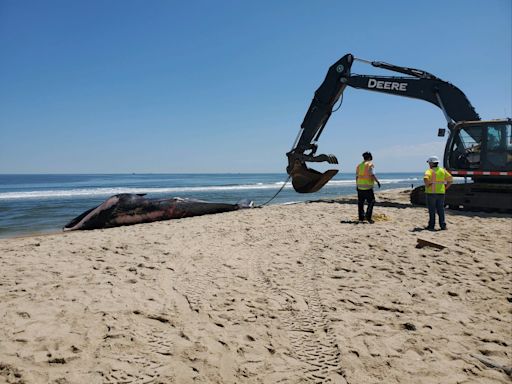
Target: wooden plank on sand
x,y
426,243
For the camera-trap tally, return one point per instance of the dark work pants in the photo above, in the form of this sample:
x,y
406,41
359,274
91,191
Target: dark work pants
x,y
365,195
435,203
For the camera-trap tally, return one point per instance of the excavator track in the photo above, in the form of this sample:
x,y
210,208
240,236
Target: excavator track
x,y
483,197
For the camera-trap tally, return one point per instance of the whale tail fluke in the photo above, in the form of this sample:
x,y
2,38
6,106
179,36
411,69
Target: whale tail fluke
x,y
245,203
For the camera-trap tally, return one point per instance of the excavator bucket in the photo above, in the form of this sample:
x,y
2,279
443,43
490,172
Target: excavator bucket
x,y
307,180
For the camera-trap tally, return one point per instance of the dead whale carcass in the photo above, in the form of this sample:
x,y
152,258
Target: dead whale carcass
x,y
127,209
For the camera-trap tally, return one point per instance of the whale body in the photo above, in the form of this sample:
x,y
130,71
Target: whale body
x,y
128,209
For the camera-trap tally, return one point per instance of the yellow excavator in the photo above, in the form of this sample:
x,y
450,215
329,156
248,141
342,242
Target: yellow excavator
x,y
476,149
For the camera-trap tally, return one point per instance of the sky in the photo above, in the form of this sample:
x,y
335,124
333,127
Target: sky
x,y
122,86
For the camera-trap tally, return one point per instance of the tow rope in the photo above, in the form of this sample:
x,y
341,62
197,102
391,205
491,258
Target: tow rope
x,y
277,193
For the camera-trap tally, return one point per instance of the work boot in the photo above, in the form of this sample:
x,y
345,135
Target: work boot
x,y
444,228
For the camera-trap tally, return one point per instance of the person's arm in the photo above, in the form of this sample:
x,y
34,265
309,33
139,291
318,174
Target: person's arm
x,y
426,180
376,180
374,176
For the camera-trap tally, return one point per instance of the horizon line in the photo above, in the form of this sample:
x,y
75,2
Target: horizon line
x,y
172,173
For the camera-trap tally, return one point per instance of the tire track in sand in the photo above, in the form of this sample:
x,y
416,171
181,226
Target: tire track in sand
x,y
303,315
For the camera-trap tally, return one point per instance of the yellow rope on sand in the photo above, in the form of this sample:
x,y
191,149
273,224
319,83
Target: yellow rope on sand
x,y
379,217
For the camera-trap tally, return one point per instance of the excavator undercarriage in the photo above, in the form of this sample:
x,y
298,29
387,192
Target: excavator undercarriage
x,y
481,197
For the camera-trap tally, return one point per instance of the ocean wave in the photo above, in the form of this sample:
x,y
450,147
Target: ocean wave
x,y
109,191
114,191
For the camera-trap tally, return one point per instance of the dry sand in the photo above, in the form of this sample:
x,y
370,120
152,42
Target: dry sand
x,y
282,294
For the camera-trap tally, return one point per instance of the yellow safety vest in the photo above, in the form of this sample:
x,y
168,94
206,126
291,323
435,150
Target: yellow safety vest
x,y
364,177
438,176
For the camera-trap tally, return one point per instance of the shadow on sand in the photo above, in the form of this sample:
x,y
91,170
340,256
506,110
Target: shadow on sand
x,y
391,204
395,204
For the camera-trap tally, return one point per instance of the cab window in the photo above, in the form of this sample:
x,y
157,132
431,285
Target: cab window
x,y
498,146
466,151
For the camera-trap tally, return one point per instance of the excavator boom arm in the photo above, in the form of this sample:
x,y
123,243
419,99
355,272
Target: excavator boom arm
x,y
305,180
326,96
420,85
444,95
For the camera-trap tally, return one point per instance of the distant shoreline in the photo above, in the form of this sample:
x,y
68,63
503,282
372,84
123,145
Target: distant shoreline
x,y
180,173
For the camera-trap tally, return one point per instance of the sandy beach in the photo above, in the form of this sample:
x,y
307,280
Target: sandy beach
x,y
282,294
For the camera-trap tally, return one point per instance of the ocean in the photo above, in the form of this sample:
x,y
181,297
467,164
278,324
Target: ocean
x,y
39,204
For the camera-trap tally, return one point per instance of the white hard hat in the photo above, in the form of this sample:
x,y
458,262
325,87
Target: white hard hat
x,y
433,159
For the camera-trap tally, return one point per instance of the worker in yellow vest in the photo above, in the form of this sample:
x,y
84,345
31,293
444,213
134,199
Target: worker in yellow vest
x,y
365,178
437,180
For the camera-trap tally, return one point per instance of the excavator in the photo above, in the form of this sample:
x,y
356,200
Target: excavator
x,y
476,149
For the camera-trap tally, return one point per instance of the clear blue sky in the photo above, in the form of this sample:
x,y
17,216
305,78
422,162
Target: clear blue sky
x,y
92,86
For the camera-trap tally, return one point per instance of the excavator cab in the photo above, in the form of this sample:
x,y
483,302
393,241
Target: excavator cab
x,y
480,146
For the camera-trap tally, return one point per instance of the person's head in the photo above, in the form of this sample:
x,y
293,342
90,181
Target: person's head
x,y
433,161
367,156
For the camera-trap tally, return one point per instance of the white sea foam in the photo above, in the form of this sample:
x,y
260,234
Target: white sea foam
x,y
91,192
